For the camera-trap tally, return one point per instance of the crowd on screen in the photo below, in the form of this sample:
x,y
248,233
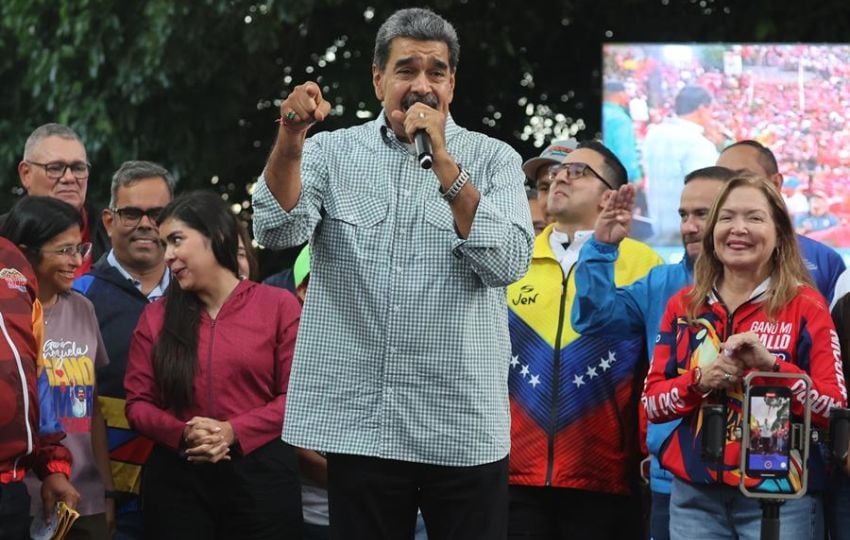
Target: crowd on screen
x,y
807,132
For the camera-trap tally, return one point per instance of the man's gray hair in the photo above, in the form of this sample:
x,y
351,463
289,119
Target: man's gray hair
x,y
419,24
49,130
131,172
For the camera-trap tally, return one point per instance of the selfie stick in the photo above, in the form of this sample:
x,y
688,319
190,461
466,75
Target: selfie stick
x,y
771,501
770,519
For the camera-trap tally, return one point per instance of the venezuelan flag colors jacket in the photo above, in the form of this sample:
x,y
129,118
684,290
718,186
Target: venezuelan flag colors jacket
x,y
573,398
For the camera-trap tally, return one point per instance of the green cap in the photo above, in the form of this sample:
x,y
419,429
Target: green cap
x,y
301,269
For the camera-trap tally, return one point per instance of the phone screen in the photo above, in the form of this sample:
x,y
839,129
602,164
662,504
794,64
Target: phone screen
x,y
770,431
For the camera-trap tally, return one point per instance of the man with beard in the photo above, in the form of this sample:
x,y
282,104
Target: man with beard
x,y
120,285
602,309
400,374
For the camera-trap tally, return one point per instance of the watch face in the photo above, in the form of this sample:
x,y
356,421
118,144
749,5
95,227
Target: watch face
x,y
696,377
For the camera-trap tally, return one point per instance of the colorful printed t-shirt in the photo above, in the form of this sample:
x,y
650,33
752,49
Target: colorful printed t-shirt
x,y
72,349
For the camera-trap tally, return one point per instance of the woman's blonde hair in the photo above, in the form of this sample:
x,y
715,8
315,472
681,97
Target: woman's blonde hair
x,y
787,270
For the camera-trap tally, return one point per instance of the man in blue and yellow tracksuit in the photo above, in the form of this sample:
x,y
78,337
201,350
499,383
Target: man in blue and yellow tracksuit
x,y
574,432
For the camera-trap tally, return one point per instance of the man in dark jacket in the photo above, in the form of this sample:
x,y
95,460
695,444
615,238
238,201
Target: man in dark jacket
x,y
26,440
120,285
55,165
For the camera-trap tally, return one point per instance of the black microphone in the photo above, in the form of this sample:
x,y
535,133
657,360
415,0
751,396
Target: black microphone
x,y
421,139
424,154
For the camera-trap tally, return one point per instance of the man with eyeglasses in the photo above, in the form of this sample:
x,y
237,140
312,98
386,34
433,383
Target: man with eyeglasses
x,y
574,430
55,165
120,285
536,171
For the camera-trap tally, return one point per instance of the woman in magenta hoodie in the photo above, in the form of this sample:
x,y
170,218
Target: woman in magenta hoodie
x,y
206,380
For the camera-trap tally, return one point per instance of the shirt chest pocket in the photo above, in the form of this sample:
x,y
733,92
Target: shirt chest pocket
x,y
438,231
355,228
436,238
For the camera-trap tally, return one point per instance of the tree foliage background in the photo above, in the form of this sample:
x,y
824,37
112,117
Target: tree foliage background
x,y
196,85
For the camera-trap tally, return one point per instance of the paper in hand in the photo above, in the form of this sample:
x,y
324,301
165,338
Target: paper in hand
x,y
57,525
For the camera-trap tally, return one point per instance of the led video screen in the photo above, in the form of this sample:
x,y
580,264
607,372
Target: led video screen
x,y
670,108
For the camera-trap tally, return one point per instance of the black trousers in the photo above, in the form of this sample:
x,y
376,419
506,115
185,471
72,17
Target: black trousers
x,y
14,512
542,513
377,499
251,497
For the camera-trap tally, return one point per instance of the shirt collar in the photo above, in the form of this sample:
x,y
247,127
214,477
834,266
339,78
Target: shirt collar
x,y
757,294
688,124
155,293
558,238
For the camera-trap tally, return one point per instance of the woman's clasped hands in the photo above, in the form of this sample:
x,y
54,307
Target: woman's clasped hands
x,y
206,440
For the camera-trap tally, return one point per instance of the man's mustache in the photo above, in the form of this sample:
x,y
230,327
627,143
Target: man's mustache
x,y
428,99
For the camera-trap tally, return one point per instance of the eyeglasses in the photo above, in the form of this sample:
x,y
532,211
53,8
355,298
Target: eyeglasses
x,y
82,250
130,216
576,170
56,169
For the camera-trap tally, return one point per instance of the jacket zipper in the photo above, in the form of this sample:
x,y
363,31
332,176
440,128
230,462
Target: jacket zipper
x,y
730,321
25,390
211,411
556,381
730,316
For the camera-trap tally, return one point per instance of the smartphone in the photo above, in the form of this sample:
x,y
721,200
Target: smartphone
x,y
769,441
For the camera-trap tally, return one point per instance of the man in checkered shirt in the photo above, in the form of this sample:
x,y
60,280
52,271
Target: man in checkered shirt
x,y
400,371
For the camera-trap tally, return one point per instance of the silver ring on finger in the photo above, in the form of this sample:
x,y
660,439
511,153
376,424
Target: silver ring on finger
x,y
727,376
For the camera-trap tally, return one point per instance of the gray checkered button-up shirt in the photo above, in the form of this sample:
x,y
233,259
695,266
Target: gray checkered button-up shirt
x,y
403,349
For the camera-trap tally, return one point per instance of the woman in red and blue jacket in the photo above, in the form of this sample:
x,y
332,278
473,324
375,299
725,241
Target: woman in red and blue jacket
x,y
752,308
28,440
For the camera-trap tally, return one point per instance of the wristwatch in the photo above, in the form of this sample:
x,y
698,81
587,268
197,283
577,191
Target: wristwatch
x,y
696,377
460,181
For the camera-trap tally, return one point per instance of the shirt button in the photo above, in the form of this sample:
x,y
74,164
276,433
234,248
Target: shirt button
x,y
397,269
405,193
396,309
393,350
402,231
